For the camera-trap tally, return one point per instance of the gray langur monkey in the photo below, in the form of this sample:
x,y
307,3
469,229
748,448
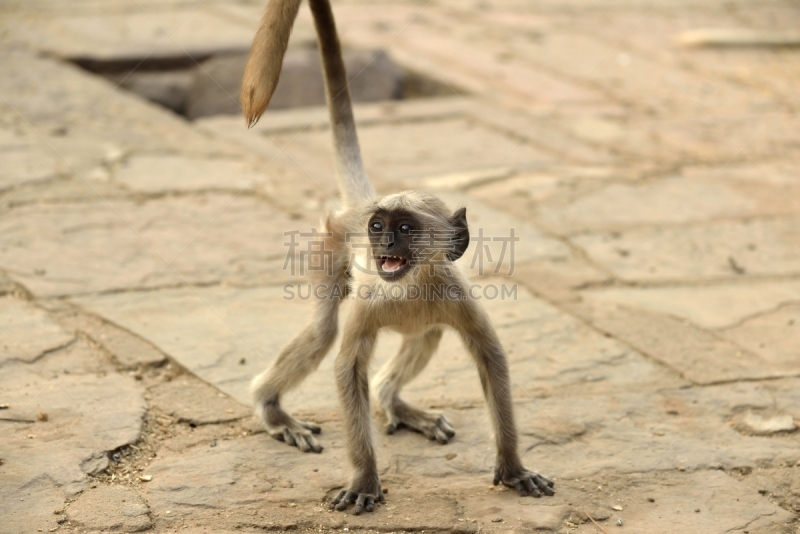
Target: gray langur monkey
x,y
387,264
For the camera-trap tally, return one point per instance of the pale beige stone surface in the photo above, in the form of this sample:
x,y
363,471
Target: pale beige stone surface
x,y
712,306
714,251
396,156
27,332
162,174
669,201
120,245
149,31
46,457
774,336
121,509
127,349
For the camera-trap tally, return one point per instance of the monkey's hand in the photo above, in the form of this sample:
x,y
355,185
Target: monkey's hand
x,y
364,495
284,427
433,425
524,481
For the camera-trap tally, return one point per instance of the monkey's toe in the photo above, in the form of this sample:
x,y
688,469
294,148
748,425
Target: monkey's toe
x,y
363,501
434,426
526,483
300,438
314,429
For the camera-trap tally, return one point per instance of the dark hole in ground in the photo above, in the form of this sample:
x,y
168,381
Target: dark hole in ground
x,y
207,85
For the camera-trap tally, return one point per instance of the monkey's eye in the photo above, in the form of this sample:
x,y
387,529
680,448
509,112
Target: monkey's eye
x,y
376,226
405,228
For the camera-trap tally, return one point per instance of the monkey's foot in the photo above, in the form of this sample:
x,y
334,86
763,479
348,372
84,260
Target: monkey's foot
x,y
433,425
524,481
283,427
365,497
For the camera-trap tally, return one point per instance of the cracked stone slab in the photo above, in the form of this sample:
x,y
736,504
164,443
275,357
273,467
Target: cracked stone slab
x,y
712,251
709,333
110,508
522,194
27,332
223,335
165,173
275,486
33,507
688,429
700,356
774,336
65,189
228,335
672,200
711,306
87,120
702,502
44,461
126,348
398,156
180,398
141,245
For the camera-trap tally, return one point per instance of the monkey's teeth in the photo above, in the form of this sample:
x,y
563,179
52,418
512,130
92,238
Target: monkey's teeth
x,y
391,264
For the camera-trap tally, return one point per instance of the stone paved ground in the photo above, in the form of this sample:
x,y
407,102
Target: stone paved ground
x,y
654,340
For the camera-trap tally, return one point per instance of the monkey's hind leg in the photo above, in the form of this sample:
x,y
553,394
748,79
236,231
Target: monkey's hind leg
x,y
414,354
296,360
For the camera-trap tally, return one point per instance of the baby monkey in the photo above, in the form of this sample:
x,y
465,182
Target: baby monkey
x,y
383,273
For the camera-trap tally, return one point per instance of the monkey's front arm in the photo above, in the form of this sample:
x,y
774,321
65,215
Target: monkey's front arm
x,y
482,343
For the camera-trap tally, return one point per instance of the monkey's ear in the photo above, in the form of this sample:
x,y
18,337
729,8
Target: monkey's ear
x,y
461,237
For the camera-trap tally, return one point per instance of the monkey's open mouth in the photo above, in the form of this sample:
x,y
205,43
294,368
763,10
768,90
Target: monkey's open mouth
x,y
391,267
391,264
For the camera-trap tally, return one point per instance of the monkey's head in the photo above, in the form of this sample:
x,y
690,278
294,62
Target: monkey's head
x,y
413,229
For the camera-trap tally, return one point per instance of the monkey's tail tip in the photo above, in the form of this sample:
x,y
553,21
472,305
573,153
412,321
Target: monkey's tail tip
x,y
251,117
253,103
251,121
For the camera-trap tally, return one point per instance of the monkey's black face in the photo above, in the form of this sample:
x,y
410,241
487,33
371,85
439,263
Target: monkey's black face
x,y
391,237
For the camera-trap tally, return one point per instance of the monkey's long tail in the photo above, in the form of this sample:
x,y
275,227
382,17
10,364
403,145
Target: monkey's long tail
x,y
261,77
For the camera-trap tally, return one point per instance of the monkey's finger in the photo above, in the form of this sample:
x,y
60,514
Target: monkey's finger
x,y
521,489
311,427
531,487
289,438
391,428
360,503
496,478
445,425
314,444
339,497
544,485
302,443
370,505
349,496
441,437
544,479
380,498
